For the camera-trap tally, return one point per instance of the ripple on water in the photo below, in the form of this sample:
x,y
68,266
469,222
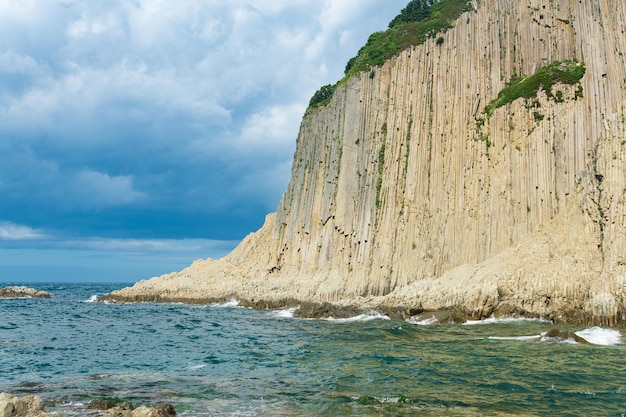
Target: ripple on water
x,y
227,360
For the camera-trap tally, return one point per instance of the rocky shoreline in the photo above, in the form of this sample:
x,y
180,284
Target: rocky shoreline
x,y
368,306
22,292
33,406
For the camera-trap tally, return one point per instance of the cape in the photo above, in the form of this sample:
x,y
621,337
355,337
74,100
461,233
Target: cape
x,y
481,171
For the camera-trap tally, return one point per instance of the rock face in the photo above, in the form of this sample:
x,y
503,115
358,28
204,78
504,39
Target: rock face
x,y
406,193
22,292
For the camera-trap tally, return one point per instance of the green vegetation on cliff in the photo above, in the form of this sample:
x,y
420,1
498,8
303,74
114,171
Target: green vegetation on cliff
x,y
565,72
323,95
418,21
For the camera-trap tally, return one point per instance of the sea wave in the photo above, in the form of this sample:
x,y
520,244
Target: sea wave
x,y
92,299
374,315
423,322
520,338
500,320
196,367
231,303
287,313
601,336
594,335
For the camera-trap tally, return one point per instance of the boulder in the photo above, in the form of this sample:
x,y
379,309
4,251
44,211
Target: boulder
x,y
557,334
159,410
103,405
22,292
11,406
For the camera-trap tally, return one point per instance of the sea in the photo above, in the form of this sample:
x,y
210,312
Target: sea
x,y
226,360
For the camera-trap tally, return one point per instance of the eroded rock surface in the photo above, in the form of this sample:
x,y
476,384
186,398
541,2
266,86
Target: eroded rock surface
x,y
11,406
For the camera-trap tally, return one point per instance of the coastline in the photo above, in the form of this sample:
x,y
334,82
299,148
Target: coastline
x,y
407,196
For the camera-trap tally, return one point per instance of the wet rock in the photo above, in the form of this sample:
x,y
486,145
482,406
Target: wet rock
x,y
326,310
31,406
163,410
22,292
159,410
125,405
102,405
557,334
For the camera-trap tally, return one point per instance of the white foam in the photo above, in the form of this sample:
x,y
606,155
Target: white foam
x,y
388,400
498,320
196,367
286,313
72,404
423,322
520,338
92,299
375,315
231,303
600,336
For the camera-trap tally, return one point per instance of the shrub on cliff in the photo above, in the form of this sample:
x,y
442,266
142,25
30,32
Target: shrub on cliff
x,y
322,96
415,11
565,72
418,21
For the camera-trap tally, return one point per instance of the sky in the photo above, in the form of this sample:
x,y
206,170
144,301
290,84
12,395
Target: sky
x,y
139,135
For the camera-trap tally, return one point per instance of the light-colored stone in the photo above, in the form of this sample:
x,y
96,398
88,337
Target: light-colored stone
x,y
534,224
159,410
22,292
30,406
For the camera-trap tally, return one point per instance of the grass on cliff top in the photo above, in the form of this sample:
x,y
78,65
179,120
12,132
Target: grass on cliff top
x,y
566,72
418,21
405,31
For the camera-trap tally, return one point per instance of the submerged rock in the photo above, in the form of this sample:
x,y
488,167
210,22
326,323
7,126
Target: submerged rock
x,y
22,292
557,334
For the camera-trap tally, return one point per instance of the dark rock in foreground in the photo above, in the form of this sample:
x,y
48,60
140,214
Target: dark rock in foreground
x,y
557,334
22,292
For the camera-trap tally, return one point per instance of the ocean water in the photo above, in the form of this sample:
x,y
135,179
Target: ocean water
x,y
224,360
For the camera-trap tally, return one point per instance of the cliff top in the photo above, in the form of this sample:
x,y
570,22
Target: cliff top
x,y
417,22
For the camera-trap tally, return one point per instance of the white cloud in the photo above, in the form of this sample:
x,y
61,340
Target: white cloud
x,y
271,130
86,26
91,189
12,62
136,103
12,231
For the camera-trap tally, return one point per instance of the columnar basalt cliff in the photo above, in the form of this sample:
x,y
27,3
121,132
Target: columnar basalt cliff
x,y
416,188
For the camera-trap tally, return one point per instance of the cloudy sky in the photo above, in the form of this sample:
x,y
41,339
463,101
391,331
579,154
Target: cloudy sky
x,y
139,135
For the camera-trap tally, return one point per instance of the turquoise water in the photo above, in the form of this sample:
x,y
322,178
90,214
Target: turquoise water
x,y
231,361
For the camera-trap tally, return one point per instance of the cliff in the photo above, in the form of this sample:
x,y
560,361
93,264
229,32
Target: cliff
x,y
414,188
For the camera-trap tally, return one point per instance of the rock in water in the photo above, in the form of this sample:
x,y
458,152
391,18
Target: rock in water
x,y
22,292
159,410
11,406
103,405
555,333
